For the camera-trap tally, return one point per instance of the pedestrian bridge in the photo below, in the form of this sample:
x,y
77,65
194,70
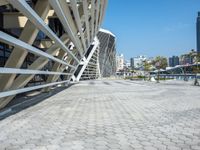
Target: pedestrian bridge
x,y
180,72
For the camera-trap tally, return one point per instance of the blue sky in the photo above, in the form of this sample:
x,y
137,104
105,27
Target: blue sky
x,y
152,27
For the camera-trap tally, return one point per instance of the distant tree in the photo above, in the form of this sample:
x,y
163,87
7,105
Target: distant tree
x,y
197,58
197,61
192,51
147,67
132,71
192,54
196,69
160,63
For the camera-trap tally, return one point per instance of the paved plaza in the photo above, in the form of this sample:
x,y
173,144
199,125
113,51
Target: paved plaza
x,y
109,115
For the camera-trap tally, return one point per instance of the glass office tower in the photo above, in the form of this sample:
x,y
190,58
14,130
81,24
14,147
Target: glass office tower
x,y
198,33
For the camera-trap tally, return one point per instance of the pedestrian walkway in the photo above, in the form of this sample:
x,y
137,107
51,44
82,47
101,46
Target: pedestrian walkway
x,y
109,115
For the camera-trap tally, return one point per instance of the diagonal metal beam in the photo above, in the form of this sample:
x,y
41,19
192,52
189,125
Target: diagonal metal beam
x,y
3,2
97,16
39,63
65,21
17,56
72,17
20,44
22,6
23,90
105,3
78,21
86,61
92,18
27,71
55,67
85,9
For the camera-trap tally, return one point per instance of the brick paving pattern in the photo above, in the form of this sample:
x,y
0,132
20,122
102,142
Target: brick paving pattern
x,y
109,115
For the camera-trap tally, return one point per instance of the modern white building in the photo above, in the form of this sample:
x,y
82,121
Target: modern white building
x,y
138,61
127,64
120,61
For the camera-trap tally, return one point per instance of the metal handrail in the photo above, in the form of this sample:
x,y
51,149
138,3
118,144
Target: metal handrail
x,y
23,90
27,71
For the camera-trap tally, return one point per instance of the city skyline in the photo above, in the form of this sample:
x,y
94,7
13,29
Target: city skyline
x,y
153,28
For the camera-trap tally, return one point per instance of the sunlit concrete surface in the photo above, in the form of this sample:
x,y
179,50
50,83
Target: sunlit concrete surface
x,y
109,115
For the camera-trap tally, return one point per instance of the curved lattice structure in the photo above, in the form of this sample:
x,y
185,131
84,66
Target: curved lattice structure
x,y
46,42
107,53
103,62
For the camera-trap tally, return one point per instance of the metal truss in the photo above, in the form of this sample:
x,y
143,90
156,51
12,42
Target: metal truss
x,y
92,70
83,67
73,54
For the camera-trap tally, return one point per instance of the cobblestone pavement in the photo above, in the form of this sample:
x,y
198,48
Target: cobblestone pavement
x,y
109,115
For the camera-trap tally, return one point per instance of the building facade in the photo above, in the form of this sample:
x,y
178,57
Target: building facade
x,y
198,32
120,62
138,61
173,61
45,43
186,59
132,63
107,53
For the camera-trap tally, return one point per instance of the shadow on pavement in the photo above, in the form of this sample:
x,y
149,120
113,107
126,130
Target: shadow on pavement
x,y
106,83
23,101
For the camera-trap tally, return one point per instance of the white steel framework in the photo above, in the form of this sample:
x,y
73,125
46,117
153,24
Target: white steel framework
x,y
66,49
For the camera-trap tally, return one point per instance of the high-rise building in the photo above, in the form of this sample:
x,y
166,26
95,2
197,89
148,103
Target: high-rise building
x,y
173,61
107,53
132,63
170,62
120,62
198,32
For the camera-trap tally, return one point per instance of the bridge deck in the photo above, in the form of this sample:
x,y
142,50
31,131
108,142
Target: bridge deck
x,y
109,114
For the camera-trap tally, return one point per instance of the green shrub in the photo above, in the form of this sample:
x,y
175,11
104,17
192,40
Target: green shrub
x,y
134,77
